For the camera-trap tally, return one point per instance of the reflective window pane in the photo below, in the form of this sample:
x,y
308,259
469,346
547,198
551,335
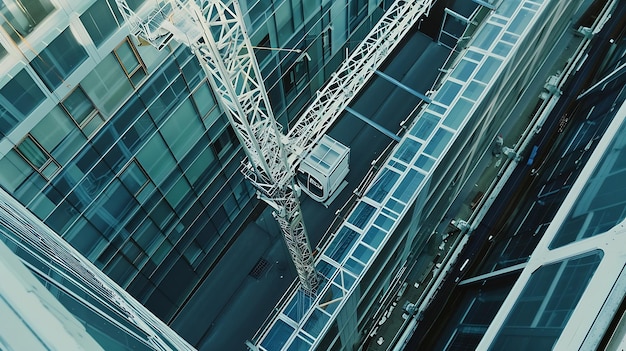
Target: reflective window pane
x,y
18,18
107,85
18,98
99,21
59,59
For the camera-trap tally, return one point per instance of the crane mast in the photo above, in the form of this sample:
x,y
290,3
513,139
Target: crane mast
x,y
215,32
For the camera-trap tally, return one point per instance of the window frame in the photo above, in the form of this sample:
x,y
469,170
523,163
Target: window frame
x,y
46,163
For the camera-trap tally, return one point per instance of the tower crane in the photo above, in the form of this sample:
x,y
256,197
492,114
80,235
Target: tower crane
x,y
215,33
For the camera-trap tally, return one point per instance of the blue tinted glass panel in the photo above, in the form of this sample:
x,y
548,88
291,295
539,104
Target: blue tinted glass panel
x,y
488,69
382,185
473,55
353,266
437,108
298,305
326,269
425,126
362,253
438,142
407,150
458,113
448,91
384,222
361,215
348,280
341,244
507,8
374,237
486,36
601,204
59,59
99,21
395,205
473,90
408,186
424,162
298,344
464,70
277,336
521,21
18,98
317,320
502,49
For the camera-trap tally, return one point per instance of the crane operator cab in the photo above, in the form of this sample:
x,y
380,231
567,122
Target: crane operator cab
x,y
322,172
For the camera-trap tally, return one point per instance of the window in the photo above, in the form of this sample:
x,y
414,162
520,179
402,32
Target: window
x,y
224,141
37,157
327,42
100,22
134,178
18,17
107,85
130,61
18,98
205,103
59,59
546,303
82,110
295,75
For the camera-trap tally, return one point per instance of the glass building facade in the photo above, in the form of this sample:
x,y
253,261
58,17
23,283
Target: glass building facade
x,y
53,298
123,150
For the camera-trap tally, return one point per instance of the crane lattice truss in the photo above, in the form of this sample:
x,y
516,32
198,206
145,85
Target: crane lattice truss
x,y
354,73
215,32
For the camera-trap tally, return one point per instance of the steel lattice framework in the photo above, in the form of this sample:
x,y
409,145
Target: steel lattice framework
x,y
354,73
215,32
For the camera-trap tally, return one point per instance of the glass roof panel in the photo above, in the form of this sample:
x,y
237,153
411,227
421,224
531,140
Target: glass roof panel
x,y
424,162
439,141
507,8
409,185
361,215
384,222
278,335
353,266
424,126
382,185
457,114
363,253
488,69
464,70
521,21
298,344
486,36
374,237
448,91
473,90
341,244
315,323
394,205
299,304
407,150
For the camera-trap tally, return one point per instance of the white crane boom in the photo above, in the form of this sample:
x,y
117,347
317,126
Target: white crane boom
x,y
353,74
215,32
